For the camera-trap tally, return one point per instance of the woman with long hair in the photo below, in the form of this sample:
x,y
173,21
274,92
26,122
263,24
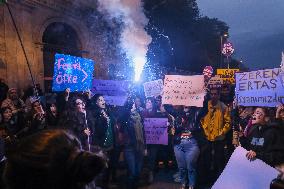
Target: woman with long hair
x,y
134,145
103,134
9,124
265,141
52,115
104,123
80,121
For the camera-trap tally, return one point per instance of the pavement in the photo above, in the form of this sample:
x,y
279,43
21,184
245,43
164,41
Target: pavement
x,y
163,179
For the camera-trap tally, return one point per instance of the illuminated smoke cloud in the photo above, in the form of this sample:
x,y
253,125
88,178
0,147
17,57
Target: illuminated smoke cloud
x,y
134,39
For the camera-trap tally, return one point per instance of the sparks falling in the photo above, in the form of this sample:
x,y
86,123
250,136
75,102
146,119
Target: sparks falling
x,y
134,39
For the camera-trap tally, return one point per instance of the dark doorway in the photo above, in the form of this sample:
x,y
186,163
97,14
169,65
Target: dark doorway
x,y
61,38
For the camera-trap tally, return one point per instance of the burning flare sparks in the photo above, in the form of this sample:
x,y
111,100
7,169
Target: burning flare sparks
x,y
134,39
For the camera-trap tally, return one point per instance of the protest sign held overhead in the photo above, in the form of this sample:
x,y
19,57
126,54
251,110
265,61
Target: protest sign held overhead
x,y
227,75
156,130
114,92
72,72
153,88
183,90
260,88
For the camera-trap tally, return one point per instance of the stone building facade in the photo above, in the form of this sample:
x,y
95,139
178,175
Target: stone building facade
x,y
41,24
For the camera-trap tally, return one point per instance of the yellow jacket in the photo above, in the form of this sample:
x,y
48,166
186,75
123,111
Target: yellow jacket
x,y
217,121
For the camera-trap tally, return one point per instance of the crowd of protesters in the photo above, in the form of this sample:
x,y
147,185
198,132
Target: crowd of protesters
x,y
200,140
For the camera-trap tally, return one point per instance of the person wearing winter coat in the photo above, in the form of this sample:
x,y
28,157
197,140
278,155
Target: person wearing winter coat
x,y
265,141
133,141
79,121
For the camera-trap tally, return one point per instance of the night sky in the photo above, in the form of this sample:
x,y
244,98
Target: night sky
x,y
256,28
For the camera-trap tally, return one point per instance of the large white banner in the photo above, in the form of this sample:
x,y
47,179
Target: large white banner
x,y
183,90
260,88
241,173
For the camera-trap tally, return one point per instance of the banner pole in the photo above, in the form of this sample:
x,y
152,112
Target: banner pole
x,y
22,46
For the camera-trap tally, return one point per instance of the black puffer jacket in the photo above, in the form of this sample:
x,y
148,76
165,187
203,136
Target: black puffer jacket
x,y
102,136
268,143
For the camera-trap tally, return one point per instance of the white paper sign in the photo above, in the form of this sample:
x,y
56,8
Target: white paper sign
x,y
183,90
153,88
240,173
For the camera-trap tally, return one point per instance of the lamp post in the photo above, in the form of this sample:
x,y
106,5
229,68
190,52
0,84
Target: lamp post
x,y
241,61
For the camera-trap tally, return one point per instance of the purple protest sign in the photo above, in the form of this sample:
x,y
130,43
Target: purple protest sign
x,y
114,92
156,130
260,88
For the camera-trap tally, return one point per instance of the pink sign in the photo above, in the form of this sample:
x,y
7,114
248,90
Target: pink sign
x,y
184,90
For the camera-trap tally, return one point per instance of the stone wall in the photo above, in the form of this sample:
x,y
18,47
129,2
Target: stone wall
x,y
32,17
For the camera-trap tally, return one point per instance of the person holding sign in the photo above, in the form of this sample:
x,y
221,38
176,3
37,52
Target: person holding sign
x,y
133,140
103,133
185,144
216,124
80,121
151,112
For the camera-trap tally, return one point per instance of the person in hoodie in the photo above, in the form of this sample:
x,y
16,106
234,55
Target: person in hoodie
x,y
265,141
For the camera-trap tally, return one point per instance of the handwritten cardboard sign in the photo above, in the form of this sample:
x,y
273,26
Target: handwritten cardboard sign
x,y
153,88
183,90
115,100
215,82
260,88
114,92
72,72
156,130
241,173
228,75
